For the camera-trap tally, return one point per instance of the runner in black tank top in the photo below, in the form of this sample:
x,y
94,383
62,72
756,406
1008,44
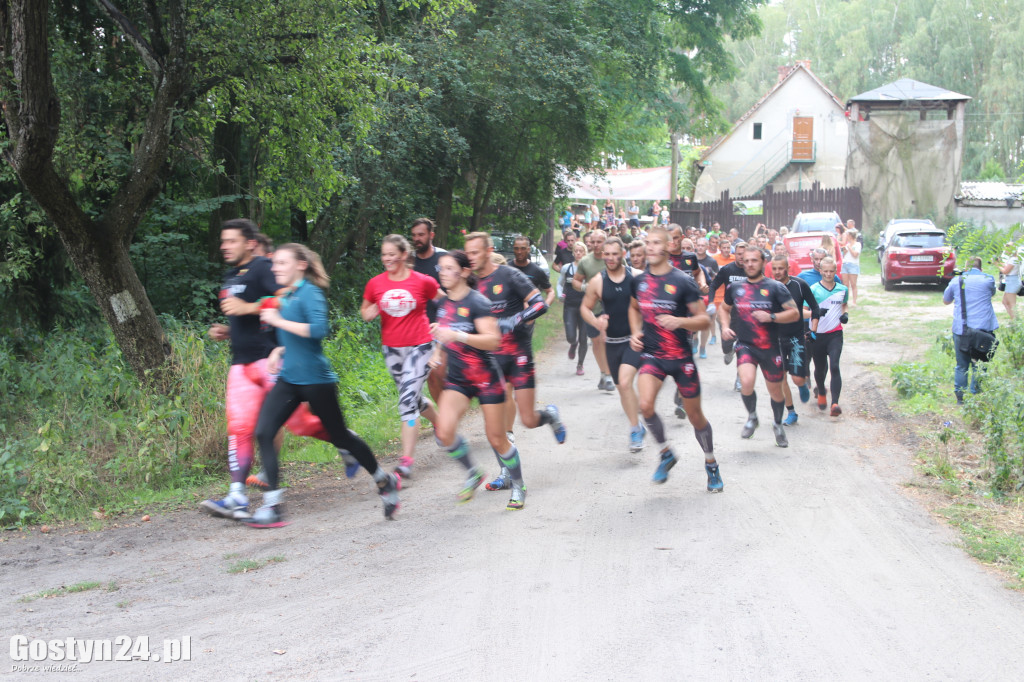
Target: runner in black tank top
x,y
614,288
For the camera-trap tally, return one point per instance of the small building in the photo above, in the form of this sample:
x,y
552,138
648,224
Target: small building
x,y
990,204
906,150
794,136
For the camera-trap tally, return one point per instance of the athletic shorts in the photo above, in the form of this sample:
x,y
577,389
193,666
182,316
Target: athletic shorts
x,y
517,369
768,359
795,356
683,371
619,354
490,391
592,332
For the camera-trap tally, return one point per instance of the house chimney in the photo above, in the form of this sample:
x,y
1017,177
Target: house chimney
x,y
783,72
806,63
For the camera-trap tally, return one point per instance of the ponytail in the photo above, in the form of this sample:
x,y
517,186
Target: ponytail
x,y
315,272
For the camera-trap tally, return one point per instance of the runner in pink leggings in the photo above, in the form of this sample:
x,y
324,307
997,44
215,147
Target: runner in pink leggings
x,y
247,285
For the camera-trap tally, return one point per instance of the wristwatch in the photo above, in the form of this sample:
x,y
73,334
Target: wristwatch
x,y
773,317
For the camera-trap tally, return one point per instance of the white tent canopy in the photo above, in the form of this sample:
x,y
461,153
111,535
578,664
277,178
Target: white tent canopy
x,y
642,184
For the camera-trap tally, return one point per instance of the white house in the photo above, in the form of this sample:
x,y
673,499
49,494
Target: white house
x,y
795,135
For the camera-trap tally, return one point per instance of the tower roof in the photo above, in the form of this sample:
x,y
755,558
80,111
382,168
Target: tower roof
x,y
908,90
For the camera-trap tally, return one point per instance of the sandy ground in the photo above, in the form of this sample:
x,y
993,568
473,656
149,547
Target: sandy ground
x,y
813,565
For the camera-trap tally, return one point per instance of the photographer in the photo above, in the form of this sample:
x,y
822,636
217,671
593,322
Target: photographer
x,y
977,289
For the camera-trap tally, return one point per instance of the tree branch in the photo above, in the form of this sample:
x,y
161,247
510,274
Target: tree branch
x,y
141,45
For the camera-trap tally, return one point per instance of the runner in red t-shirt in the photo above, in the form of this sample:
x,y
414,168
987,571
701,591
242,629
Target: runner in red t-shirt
x,y
399,295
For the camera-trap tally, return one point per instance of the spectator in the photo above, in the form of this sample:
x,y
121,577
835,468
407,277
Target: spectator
x,y
851,261
634,214
979,289
1009,268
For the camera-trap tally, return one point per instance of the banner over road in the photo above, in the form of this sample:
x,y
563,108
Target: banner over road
x,y
642,184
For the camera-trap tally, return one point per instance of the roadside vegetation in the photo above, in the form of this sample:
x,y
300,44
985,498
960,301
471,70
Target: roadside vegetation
x,y
973,455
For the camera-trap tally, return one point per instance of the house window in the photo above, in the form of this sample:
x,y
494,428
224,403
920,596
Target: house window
x,y
757,131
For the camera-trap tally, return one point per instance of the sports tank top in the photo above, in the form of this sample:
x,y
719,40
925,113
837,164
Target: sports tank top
x,y
615,297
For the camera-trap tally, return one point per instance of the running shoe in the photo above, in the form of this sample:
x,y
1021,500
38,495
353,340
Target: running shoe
x,y
712,340
469,488
404,468
351,463
556,423
750,427
636,438
738,387
729,356
805,393
780,435
511,437
572,352
518,499
703,354
668,460
579,370
836,410
607,384
715,484
257,481
503,481
791,419
230,507
388,489
822,399
267,516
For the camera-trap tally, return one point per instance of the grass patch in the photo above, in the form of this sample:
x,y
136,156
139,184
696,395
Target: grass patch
x,y
249,565
62,590
986,541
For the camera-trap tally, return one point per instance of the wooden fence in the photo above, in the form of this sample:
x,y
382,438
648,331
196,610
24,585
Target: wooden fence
x,y
780,208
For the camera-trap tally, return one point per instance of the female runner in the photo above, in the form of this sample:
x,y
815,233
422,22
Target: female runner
x,y
467,331
305,376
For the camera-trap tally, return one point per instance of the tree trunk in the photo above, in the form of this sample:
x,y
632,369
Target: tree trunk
x,y
105,266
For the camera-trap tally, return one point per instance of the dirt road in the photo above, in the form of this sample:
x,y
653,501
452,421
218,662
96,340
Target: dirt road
x,y
812,565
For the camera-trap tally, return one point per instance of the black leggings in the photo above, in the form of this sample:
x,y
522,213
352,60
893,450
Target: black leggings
x,y
826,350
575,333
283,400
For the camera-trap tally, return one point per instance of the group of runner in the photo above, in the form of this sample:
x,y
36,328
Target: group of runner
x,y
461,324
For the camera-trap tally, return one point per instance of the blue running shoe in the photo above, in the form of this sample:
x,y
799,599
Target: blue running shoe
x,y
791,419
703,354
715,484
636,438
503,481
805,393
668,460
556,423
712,340
231,507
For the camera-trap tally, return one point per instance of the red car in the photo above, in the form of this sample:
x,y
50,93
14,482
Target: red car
x,y
806,234
917,255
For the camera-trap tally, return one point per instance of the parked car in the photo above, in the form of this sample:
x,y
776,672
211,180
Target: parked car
x,y
917,254
898,224
503,245
806,234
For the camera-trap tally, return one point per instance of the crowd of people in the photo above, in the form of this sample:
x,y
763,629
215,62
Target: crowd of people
x,y
457,325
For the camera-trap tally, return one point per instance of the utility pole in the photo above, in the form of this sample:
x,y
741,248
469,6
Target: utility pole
x,y
674,143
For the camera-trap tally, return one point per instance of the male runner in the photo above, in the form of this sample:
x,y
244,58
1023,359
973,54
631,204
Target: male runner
x,y
246,284
613,288
731,272
710,267
760,304
521,262
793,337
665,309
592,264
563,254
426,263
638,254
515,301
